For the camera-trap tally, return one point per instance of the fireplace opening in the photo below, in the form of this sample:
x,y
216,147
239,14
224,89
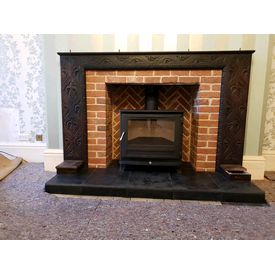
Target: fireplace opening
x,y
151,137
195,95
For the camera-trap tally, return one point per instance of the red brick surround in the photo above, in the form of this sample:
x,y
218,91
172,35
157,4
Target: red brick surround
x,y
199,99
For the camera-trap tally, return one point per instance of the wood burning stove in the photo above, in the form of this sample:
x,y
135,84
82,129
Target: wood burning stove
x,y
151,137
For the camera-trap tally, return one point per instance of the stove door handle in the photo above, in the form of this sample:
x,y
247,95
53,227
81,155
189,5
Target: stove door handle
x,y
121,137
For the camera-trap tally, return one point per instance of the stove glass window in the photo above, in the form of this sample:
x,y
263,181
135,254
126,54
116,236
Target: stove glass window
x,y
151,131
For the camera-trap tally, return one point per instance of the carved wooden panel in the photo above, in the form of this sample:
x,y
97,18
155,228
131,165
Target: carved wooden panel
x,y
234,93
73,111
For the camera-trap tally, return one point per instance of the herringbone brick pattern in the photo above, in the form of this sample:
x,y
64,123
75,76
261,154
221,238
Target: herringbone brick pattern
x,y
170,98
123,98
180,99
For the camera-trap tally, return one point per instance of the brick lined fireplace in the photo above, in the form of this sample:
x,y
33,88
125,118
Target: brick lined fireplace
x,y
207,90
227,71
195,92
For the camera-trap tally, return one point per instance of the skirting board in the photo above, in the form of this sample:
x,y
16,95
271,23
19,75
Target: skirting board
x,y
269,160
31,152
52,157
255,165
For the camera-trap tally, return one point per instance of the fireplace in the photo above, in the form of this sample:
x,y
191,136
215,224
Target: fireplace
x,y
235,67
96,88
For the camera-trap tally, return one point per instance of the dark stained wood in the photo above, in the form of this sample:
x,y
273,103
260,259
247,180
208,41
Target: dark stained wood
x,y
235,172
235,66
69,167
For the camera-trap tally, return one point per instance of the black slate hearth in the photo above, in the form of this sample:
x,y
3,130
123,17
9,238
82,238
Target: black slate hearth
x,y
181,184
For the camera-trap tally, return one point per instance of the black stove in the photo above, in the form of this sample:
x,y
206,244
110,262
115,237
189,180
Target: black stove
x,y
151,137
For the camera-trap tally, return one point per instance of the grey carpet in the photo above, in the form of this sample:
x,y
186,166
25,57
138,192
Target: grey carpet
x,y
27,212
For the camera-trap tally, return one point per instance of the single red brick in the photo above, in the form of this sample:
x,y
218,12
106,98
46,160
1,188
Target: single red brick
x,y
214,116
98,135
152,79
211,158
91,154
202,130
191,79
95,79
213,130
180,72
90,73
208,123
96,148
101,141
101,100
199,102
98,94
144,72
99,108
90,100
217,72
100,87
106,73
126,73
201,157
101,115
90,87
200,73
206,151
201,144
212,144
204,94
162,73
98,121
216,87
171,79
204,109
101,154
99,160
101,128
116,79
215,102
204,87
134,79
211,79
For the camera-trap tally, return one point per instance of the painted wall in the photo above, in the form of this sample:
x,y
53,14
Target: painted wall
x,y
162,42
22,89
269,132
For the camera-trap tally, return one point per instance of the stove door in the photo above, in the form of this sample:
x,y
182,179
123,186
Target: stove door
x,y
150,137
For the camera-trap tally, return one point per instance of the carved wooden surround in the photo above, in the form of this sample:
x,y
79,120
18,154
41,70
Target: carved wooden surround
x,y
235,66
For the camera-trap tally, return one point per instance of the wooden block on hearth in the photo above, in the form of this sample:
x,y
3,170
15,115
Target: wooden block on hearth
x,y
69,167
235,172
